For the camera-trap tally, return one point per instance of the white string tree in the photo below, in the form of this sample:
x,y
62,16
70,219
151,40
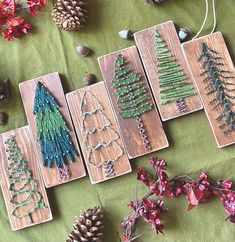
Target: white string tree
x,y
100,140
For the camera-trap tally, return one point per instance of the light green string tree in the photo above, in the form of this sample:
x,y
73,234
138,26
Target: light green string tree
x,y
173,83
25,196
132,98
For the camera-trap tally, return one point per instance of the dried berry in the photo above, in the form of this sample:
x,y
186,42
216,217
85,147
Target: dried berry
x,y
82,50
3,118
89,79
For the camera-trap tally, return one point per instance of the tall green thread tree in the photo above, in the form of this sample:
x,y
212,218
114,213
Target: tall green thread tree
x,y
132,98
173,83
52,132
25,196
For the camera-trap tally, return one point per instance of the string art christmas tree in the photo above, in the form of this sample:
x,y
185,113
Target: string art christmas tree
x,y
173,83
52,132
25,196
131,95
218,85
99,135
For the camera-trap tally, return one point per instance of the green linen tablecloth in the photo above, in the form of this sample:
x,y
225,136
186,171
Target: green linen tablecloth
x,y
192,147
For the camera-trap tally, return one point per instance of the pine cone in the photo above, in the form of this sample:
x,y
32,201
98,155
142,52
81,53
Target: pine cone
x,y
70,14
88,227
153,1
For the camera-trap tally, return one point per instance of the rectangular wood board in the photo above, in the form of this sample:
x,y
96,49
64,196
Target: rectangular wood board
x,y
90,99
192,51
25,144
128,127
145,43
53,84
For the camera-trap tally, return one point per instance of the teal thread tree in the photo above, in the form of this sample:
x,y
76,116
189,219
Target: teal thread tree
x,y
132,98
25,196
52,132
173,83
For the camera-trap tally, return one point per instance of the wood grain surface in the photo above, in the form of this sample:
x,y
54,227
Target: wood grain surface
x,y
97,120
128,127
25,144
145,43
192,50
53,84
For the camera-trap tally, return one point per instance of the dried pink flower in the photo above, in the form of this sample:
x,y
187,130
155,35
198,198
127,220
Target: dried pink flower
x,y
144,176
196,191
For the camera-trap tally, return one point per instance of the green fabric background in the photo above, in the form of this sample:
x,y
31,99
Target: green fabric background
x,y
192,147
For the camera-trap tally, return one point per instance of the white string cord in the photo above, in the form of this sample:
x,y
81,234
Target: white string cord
x,y
204,21
214,17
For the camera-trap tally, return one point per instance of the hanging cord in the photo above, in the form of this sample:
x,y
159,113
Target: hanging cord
x,y
214,17
206,15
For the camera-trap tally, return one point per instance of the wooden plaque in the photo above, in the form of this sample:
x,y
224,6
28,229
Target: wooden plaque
x,y
53,84
95,99
25,144
192,51
128,127
145,42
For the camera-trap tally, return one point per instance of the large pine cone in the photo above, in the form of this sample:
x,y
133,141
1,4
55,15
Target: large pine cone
x,y
88,227
70,14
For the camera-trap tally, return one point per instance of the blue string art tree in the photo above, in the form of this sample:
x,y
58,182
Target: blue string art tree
x,y
52,132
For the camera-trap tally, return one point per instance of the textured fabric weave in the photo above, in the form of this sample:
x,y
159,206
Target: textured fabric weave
x,y
192,147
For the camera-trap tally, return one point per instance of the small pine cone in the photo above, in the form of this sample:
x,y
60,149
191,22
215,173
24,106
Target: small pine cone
x,y
153,1
88,227
70,14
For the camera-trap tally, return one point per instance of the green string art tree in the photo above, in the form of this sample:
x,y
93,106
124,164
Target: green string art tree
x,y
173,83
100,138
52,132
25,196
132,98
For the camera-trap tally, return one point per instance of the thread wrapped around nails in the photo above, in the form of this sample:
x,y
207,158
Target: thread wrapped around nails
x,y
181,105
109,168
82,50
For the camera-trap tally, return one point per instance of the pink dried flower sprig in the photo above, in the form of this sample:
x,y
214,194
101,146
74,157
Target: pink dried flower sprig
x,y
150,208
13,26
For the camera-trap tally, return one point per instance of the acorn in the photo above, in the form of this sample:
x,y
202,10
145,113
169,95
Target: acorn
x,y
4,90
82,50
184,33
3,118
89,79
126,34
